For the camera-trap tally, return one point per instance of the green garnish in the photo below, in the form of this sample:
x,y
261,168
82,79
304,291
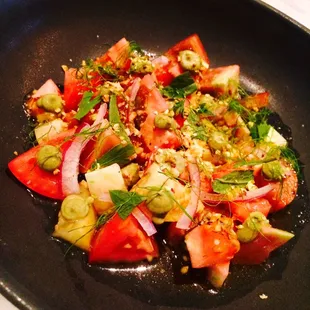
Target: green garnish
x,y
178,107
182,86
115,119
242,92
86,104
260,127
235,179
119,154
202,109
199,131
125,202
289,155
135,47
260,131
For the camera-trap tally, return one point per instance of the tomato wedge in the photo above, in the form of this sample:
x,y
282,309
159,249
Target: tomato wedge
x,y
258,250
220,81
193,43
122,241
256,101
73,90
242,209
25,169
283,192
152,136
117,54
208,247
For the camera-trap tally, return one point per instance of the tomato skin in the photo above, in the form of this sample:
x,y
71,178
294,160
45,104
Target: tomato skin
x,y
283,192
193,43
25,169
155,137
242,209
208,247
73,90
256,101
219,81
163,76
122,241
117,54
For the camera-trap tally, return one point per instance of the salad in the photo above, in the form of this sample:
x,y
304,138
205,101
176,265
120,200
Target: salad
x,y
136,144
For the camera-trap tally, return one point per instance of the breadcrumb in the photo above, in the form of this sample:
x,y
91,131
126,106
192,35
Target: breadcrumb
x,y
263,296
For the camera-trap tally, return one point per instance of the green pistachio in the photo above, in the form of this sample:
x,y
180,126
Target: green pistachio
x,y
50,103
190,60
49,157
273,170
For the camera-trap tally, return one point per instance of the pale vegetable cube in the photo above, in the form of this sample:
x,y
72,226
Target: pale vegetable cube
x,y
275,137
78,232
48,130
101,181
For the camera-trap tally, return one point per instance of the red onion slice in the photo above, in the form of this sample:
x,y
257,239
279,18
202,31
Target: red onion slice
x,y
185,221
144,221
100,115
160,61
250,195
134,89
49,87
70,164
256,193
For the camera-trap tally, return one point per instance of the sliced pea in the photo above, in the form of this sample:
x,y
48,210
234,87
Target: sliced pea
x,y
218,140
50,103
255,221
190,60
246,234
164,121
49,157
130,174
252,226
74,207
159,202
273,170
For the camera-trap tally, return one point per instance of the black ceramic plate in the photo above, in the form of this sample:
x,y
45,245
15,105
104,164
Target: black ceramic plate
x,y
37,37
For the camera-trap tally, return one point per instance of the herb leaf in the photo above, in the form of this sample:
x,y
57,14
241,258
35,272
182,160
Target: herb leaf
x,y
180,87
125,202
119,154
86,104
232,180
237,177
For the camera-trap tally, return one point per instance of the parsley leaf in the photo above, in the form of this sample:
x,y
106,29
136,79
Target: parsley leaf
x,y
86,104
182,86
125,202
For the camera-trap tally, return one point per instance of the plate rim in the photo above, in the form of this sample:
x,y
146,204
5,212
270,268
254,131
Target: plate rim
x,y
17,294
